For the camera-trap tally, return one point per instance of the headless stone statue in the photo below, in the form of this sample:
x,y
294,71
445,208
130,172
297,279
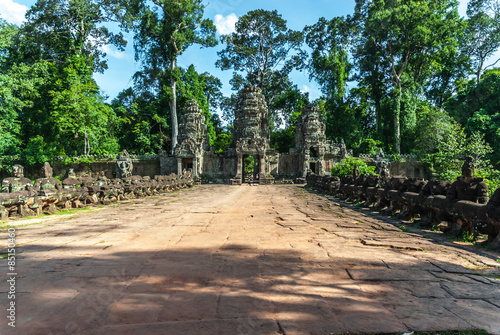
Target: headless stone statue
x,y
49,182
17,182
72,180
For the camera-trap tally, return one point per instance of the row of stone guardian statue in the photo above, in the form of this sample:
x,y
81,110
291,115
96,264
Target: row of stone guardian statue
x,y
21,197
456,208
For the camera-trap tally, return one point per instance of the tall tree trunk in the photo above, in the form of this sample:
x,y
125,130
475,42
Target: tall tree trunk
x,y
397,126
173,106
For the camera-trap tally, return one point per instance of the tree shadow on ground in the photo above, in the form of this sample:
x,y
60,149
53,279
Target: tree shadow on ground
x,y
237,290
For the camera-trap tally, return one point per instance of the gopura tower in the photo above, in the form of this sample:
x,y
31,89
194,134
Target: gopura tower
x,y
192,140
316,153
251,131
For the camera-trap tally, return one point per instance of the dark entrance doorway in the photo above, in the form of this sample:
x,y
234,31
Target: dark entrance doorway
x,y
187,163
312,167
250,168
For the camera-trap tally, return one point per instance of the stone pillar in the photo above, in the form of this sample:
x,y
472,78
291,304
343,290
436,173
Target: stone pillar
x,y
239,167
195,166
305,165
179,166
262,172
321,169
255,167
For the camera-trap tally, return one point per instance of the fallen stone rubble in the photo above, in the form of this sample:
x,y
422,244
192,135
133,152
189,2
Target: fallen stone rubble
x,y
50,195
455,208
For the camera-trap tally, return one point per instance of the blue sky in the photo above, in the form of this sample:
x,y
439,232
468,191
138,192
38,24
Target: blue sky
x,y
224,13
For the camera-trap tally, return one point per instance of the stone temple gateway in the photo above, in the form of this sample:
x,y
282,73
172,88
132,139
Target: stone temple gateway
x,y
251,137
251,132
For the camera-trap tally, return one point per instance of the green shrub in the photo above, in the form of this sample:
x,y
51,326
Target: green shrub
x,y
491,178
346,167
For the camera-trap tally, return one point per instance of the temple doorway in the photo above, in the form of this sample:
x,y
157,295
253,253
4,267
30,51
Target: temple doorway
x,y
312,167
251,167
187,163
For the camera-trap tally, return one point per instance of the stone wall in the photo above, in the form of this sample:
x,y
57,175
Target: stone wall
x,y
409,170
289,165
218,168
167,163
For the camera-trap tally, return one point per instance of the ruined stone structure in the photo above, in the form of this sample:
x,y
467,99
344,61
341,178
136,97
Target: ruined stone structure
x,y
251,133
316,153
251,137
192,139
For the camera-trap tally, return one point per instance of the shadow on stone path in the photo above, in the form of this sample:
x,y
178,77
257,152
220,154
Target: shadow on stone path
x,y
243,260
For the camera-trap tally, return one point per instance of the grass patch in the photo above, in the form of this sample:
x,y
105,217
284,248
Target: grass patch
x,y
4,255
404,229
159,204
323,229
468,237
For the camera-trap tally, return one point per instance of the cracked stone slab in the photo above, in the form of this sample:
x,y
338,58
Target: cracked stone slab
x,y
479,313
390,275
474,290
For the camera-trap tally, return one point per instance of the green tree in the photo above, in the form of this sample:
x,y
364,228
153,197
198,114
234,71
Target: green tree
x,y
261,45
57,30
141,126
329,63
192,86
78,110
264,50
164,29
477,108
61,45
346,167
10,102
482,33
409,37
447,159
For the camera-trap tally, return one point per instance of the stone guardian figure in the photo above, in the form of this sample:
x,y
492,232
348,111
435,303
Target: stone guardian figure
x,y
17,182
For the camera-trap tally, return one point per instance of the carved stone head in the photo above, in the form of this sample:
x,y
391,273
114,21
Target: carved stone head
x,y
468,167
71,173
17,171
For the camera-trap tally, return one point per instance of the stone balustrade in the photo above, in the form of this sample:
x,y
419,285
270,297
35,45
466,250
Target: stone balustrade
x,y
50,195
455,208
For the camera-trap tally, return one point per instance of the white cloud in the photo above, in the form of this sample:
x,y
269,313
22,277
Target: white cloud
x,y
112,52
305,89
312,89
462,8
226,24
12,12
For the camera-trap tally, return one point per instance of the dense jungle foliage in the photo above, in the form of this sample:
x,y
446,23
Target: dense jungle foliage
x,y
405,76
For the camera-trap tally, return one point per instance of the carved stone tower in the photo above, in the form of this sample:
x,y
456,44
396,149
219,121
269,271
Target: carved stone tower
x,y
192,139
251,131
310,141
